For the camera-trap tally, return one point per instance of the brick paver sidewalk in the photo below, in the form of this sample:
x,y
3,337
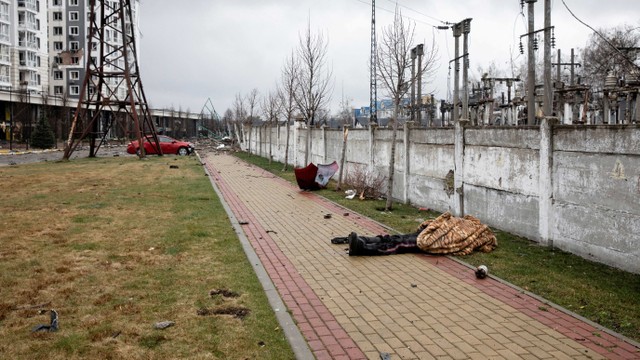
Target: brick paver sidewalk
x,y
409,306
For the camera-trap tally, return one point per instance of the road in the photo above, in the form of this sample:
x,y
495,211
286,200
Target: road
x,y
17,157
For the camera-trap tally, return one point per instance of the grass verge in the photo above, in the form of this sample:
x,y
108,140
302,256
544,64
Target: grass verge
x,y
603,294
116,245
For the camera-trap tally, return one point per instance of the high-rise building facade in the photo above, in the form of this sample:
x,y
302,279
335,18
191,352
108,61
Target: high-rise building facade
x,y
23,45
69,29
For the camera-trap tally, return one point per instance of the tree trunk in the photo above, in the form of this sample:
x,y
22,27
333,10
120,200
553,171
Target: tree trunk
x,y
270,127
286,146
392,160
342,156
307,152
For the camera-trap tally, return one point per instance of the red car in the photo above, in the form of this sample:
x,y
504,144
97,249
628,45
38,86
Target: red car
x,y
168,145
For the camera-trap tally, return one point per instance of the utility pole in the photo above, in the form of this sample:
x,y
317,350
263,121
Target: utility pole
x,y
373,89
531,73
466,28
571,88
413,83
420,52
457,30
548,84
99,93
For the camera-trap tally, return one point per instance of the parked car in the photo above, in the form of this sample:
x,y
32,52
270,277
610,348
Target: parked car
x,y
168,145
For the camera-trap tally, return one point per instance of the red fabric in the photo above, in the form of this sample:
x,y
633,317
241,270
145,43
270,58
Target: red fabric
x,y
306,177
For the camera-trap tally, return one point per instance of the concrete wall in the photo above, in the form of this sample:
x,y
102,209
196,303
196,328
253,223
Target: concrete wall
x,y
574,187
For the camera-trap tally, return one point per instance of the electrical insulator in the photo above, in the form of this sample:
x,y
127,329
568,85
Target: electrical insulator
x,y
521,47
535,43
553,42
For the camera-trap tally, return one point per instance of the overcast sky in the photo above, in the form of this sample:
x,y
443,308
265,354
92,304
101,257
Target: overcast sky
x,y
194,50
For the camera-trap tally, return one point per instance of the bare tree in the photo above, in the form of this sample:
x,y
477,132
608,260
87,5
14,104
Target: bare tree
x,y
314,80
240,114
271,108
286,92
614,52
252,105
227,120
393,60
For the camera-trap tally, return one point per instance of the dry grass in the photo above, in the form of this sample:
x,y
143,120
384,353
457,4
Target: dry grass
x,y
116,245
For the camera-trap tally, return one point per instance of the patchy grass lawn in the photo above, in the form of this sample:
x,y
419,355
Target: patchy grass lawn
x,y
116,245
603,294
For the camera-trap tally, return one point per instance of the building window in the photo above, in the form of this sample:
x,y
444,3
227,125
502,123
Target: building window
x,y
57,45
57,90
57,15
73,16
74,90
73,30
75,60
57,30
57,2
74,45
73,2
74,75
57,60
58,75
94,46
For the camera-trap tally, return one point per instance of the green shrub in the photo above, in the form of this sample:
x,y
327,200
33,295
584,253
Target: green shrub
x,y
42,136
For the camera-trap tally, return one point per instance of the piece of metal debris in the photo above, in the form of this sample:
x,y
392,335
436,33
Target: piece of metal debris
x,y
53,324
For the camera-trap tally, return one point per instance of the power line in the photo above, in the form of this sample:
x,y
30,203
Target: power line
x,y
393,12
602,36
416,11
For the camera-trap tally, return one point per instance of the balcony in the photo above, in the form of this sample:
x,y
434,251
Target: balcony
x,y
28,25
28,63
28,4
33,45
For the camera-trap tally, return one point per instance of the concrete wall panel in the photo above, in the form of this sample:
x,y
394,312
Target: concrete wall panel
x,y
508,169
515,213
598,180
606,236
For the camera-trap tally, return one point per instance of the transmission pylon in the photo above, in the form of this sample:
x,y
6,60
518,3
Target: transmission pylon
x,y
112,80
373,91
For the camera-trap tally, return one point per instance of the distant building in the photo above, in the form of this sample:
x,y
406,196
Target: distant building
x,y
69,44
23,45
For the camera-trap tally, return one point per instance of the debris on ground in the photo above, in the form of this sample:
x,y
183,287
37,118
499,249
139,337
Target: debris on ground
x,y
350,194
315,177
482,271
224,144
53,323
163,325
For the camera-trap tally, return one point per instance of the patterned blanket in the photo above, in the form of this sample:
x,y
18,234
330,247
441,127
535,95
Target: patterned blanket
x,y
448,234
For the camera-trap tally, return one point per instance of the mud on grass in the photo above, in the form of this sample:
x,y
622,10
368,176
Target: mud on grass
x,y
116,245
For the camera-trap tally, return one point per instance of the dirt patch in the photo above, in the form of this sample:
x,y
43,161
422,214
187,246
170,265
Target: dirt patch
x,y
224,292
235,311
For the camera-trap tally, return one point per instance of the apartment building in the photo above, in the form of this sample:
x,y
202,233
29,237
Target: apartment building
x,y
69,30
23,46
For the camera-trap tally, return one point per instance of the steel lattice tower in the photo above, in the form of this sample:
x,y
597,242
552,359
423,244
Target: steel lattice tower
x,y
112,80
373,92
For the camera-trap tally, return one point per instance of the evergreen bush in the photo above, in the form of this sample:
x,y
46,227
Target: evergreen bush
x,y
42,136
